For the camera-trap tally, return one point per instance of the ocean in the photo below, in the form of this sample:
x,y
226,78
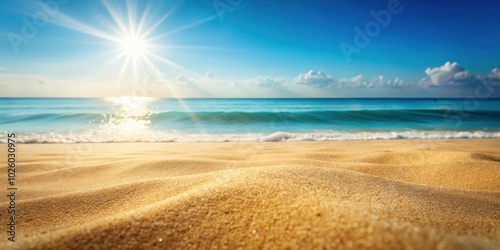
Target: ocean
x,y
134,119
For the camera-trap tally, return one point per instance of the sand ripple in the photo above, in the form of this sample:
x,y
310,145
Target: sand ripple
x,y
332,195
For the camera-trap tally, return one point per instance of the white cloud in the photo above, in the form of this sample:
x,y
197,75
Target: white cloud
x,y
237,83
377,81
494,77
321,80
359,82
396,83
260,81
199,80
450,74
315,79
185,81
270,82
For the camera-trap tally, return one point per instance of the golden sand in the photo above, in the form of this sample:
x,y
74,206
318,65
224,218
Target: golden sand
x,y
401,194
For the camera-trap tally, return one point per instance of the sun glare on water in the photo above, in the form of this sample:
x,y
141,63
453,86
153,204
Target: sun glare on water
x,y
131,113
137,39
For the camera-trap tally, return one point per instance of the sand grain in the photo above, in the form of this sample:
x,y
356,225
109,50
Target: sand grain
x,y
403,194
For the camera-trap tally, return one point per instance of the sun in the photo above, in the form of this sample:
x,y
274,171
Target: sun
x,y
134,46
134,38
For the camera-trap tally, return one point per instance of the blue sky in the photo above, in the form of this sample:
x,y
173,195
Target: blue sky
x,y
243,48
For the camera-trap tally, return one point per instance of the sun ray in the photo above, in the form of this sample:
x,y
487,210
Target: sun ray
x,y
134,61
115,16
70,23
117,57
135,42
129,37
171,63
131,13
189,26
190,47
160,21
147,61
109,25
129,34
123,68
142,22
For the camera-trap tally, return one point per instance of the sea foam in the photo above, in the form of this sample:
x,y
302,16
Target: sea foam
x,y
161,136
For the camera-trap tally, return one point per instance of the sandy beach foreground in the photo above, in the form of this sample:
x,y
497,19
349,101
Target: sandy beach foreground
x,y
401,194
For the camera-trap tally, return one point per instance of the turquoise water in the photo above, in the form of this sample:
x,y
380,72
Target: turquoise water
x,y
127,119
